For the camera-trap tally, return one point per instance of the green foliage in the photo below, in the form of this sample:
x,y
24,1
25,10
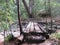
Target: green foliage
x,y
56,35
9,38
38,6
8,13
8,10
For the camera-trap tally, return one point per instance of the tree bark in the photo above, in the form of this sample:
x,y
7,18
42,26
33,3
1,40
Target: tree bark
x,y
31,6
27,8
49,10
19,13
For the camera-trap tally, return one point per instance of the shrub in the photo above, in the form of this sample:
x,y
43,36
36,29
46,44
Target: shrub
x,y
9,38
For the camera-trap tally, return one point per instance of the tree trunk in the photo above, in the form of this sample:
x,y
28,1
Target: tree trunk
x,y
19,13
27,8
31,6
49,10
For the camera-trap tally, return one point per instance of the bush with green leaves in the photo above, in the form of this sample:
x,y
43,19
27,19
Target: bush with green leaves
x,y
9,38
56,35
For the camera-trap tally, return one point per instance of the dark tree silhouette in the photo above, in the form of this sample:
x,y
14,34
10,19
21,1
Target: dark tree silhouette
x,y
19,13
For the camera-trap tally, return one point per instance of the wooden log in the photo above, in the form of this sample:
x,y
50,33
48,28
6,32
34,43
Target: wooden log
x,y
37,28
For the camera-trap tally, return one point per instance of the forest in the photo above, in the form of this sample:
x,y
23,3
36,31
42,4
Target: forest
x,y
8,10
22,16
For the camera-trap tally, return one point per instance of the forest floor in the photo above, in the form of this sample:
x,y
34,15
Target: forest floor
x,y
47,42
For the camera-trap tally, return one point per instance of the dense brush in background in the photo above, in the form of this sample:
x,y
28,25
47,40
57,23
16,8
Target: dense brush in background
x,y
8,10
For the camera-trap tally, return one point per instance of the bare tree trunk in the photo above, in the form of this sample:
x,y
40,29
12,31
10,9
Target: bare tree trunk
x,y
31,6
19,13
49,10
27,8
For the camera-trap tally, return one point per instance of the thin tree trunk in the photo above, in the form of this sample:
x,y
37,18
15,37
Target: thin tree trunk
x,y
27,8
19,13
49,9
46,15
31,6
